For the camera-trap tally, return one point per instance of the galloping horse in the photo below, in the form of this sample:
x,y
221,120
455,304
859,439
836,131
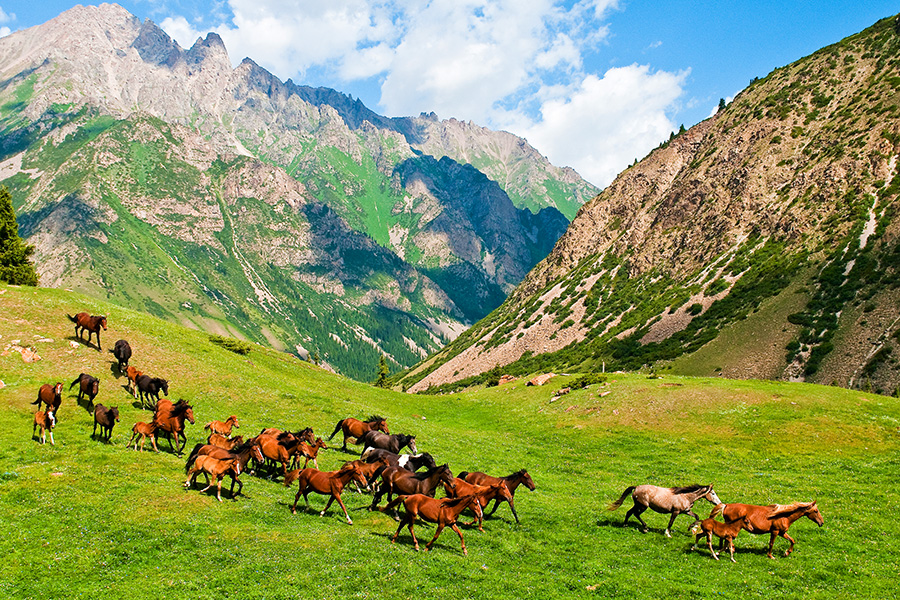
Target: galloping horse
x,y
308,451
726,532
484,493
87,385
773,519
324,482
354,428
170,418
242,453
149,387
223,428
105,418
444,512
512,482
51,395
132,373
217,439
215,467
410,462
122,352
664,500
400,481
141,431
90,323
376,439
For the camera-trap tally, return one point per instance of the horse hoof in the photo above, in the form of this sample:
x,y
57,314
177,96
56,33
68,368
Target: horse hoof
x,y
349,522
668,535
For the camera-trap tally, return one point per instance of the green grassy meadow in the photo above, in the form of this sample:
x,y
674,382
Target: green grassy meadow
x,y
94,520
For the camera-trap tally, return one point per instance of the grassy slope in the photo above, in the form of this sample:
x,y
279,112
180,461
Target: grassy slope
x,y
94,520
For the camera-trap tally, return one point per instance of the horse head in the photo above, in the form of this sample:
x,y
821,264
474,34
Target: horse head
x,y
320,444
711,496
103,322
411,442
379,423
307,436
95,386
234,421
814,514
57,391
527,481
446,476
502,491
189,413
114,411
164,386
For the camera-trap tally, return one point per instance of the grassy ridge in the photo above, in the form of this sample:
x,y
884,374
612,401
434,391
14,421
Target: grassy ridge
x,y
86,519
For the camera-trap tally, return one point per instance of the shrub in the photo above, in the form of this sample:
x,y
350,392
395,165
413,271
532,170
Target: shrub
x,y
236,346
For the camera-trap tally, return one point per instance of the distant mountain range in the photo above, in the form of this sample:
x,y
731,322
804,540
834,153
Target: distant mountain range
x,y
763,243
223,198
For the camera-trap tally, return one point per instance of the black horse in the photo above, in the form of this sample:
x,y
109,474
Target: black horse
x,y
105,418
376,439
88,385
410,462
150,387
122,352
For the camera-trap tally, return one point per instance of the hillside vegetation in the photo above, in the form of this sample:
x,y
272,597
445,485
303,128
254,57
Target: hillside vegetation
x,y
783,205
84,518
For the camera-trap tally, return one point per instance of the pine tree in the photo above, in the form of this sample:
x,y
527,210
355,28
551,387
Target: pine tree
x,y
383,373
721,104
15,263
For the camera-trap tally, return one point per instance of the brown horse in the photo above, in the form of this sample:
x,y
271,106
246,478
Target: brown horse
x,y
726,532
132,373
278,449
216,439
170,418
370,470
88,385
774,519
51,396
90,323
674,501
105,418
243,454
444,512
308,451
46,421
400,481
485,493
217,469
354,428
223,428
512,482
142,431
324,482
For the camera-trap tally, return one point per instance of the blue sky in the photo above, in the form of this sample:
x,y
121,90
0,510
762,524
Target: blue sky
x,y
592,84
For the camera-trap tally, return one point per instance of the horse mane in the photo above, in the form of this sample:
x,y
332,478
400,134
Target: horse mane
x,y
688,489
782,510
374,419
455,501
180,407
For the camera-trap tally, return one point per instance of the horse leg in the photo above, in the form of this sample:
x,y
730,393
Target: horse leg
x,y
399,527
636,511
671,522
53,444
296,499
494,509
344,508
731,548
440,528
709,543
219,490
772,543
412,518
783,534
94,432
513,509
461,540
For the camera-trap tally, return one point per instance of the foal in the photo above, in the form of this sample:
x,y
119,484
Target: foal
x,y
141,431
46,421
726,531
217,468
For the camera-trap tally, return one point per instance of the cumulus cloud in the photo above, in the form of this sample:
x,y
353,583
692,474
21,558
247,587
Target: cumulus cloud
x,y
515,64
5,17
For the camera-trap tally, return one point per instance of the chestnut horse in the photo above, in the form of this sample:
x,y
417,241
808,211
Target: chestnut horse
x,y
354,428
170,418
324,482
485,493
105,418
46,421
51,396
773,519
675,501
444,512
726,532
242,453
216,439
90,323
308,451
215,467
400,481
132,373
141,431
512,482
87,385
223,428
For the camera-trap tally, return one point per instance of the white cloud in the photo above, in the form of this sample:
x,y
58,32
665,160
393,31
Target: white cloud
x,y
6,17
180,30
603,124
5,31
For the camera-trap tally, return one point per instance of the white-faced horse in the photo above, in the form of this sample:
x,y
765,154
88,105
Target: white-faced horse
x,y
674,501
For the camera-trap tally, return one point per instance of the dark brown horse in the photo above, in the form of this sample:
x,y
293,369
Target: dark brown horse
x,y
90,323
384,441
324,482
410,462
105,418
674,501
484,493
51,396
512,482
170,418
444,512
122,352
774,519
395,480
354,428
149,389
88,385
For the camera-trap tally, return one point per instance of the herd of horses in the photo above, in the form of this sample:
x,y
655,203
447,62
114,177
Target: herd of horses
x,y
408,479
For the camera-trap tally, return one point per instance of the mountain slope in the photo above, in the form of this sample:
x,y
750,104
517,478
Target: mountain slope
x,y
783,204
225,198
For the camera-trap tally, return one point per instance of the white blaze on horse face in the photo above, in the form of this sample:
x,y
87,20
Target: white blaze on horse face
x,y
712,497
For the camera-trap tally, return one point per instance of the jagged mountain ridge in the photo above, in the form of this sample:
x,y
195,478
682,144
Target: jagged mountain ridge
x,y
763,242
227,174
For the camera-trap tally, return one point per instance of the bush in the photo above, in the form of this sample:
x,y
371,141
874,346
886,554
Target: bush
x,y
236,346
586,380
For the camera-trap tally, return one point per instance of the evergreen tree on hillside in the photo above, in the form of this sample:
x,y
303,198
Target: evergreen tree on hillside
x,y
383,373
15,263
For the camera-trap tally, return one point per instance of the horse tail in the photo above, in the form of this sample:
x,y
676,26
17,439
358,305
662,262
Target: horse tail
x,y
71,318
336,429
192,457
393,503
77,380
621,499
717,510
291,477
207,426
462,475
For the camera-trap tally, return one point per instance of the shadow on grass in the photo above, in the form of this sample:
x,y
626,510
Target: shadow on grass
x,y
83,342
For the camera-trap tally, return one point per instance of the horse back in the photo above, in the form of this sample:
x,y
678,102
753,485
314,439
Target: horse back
x,y
757,516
